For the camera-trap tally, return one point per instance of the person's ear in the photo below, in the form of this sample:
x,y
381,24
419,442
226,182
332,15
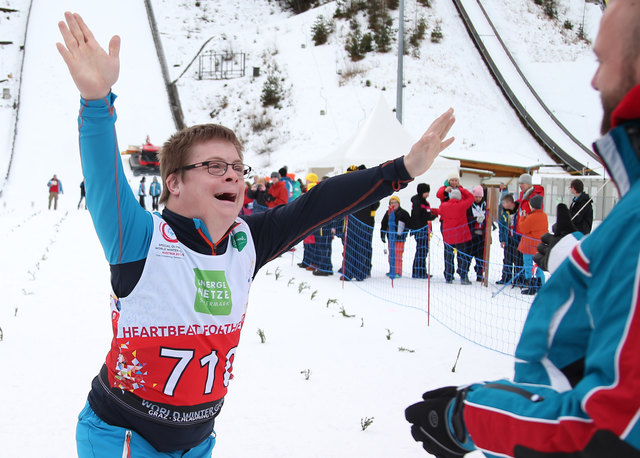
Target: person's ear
x,y
174,184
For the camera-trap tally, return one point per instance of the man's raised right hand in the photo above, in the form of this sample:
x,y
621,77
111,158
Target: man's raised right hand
x,y
92,69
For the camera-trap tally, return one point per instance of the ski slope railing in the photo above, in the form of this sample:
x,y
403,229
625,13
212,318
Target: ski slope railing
x,y
172,90
490,315
551,144
17,112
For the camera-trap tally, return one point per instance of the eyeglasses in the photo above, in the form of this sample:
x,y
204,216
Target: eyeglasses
x,y
219,168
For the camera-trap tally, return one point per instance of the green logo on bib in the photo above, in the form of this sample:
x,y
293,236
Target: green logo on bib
x,y
239,241
213,295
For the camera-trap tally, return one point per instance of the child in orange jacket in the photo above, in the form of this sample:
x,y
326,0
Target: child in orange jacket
x,y
532,227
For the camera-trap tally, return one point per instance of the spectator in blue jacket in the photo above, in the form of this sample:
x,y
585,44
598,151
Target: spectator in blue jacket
x,y
395,227
155,189
288,182
509,239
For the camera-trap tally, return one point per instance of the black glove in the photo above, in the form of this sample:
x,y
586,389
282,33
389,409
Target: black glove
x,y
563,226
430,423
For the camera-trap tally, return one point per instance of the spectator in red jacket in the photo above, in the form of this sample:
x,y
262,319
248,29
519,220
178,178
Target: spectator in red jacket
x,y
532,228
278,194
455,232
527,191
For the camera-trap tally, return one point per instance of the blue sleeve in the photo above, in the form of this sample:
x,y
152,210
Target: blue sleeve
x,y
124,228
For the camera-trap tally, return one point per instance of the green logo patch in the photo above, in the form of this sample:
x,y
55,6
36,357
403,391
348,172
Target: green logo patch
x,y
239,241
213,295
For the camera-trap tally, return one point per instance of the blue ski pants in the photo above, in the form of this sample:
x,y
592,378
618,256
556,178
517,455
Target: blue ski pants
x,y
97,439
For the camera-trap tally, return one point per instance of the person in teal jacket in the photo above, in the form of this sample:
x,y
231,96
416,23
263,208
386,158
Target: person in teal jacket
x,y
155,189
181,279
576,390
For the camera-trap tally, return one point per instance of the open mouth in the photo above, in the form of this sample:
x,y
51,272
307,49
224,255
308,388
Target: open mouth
x,y
226,196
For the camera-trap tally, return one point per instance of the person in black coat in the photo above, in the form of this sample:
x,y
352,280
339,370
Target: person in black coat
x,y
358,237
581,209
421,216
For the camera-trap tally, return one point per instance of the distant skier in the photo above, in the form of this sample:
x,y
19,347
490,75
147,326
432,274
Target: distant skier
x,y
55,188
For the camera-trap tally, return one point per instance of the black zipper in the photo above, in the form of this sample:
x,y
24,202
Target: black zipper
x,y
533,397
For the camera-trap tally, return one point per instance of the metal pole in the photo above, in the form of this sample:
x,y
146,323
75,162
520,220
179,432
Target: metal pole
x,y
400,61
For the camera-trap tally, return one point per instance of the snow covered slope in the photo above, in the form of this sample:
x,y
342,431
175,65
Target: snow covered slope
x,y
47,140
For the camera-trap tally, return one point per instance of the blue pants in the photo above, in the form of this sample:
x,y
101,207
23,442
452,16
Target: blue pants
x,y
357,249
527,263
476,251
463,260
323,252
97,439
422,251
510,266
309,254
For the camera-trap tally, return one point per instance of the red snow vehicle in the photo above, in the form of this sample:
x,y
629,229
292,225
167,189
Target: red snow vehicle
x,y
143,159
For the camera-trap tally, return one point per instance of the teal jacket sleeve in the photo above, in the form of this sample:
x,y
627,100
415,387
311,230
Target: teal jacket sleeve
x,y
124,228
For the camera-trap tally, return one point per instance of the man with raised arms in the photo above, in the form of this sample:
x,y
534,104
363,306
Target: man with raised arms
x,y
192,266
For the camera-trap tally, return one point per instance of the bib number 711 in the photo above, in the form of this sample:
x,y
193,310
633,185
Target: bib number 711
x,y
184,357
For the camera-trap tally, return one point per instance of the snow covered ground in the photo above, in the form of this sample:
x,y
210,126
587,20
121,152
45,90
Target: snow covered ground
x,y
55,317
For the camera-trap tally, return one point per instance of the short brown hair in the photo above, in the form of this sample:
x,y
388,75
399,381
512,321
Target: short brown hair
x,y
508,198
578,185
175,151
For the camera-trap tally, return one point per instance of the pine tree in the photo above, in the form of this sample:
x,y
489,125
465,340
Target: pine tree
x,y
436,34
321,31
353,46
297,6
382,37
272,93
418,34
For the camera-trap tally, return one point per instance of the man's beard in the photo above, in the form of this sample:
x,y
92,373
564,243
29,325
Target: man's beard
x,y
611,102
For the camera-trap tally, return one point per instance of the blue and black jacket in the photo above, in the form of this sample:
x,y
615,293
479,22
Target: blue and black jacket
x,y
125,229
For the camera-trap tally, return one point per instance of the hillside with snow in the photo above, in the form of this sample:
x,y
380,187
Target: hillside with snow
x,y
323,79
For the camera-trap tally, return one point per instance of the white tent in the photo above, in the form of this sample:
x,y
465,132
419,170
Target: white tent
x,y
379,139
